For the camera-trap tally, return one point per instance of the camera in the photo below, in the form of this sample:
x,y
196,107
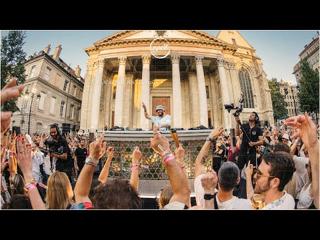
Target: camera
x,y
238,108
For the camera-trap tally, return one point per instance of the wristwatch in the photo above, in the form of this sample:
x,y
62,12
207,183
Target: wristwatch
x,y
92,161
208,196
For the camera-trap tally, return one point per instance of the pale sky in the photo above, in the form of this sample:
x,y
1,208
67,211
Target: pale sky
x,y
279,50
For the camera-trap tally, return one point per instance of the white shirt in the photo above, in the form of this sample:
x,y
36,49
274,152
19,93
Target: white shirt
x,y
301,173
286,202
174,206
305,198
161,121
37,160
234,203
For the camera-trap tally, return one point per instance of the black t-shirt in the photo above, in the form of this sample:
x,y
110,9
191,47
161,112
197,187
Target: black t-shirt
x,y
253,134
81,154
61,164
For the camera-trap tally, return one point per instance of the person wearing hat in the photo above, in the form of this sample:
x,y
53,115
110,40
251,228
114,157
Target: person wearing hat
x,y
162,120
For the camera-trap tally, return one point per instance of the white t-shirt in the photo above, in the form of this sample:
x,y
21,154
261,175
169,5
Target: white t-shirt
x,y
37,160
161,121
286,202
232,204
174,206
305,198
235,203
301,173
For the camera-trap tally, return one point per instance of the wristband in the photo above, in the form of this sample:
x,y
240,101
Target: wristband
x,y
168,157
92,161
30,186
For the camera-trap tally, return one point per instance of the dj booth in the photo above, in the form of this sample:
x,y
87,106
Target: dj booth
x,y
153,176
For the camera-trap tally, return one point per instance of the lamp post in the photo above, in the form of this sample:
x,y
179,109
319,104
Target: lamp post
x,y
294,102
33,92
286,93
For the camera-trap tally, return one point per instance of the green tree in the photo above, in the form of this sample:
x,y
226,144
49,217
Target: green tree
x,y
12,60
309,89
278,103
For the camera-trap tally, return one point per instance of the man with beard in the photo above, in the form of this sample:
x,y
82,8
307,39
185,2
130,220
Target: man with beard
x,y
60,151
251,138
274,172
162,121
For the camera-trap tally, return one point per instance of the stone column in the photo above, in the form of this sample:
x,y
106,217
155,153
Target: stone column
x,y
193,100
119,92
235,82
176,92
202,92
224,92
145,91
85,113
214,101
95,97
108,100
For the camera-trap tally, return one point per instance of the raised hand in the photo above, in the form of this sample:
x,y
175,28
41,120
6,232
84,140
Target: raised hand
x,y
97,148
307,129
249,171
110,152
215,133
136,156
24,157
159,143
180,152
144,106
209,181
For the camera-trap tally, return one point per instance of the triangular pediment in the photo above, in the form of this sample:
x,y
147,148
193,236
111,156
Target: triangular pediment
x,y
151,34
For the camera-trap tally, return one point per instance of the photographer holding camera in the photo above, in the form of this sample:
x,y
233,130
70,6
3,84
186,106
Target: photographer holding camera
x,y
252,137
59,151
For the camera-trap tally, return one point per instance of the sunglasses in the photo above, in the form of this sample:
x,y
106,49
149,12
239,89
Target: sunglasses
x,y
258,174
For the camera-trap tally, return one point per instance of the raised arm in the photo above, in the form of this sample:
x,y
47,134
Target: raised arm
x,y
209,183
199,167
103,177
178,180
145,111
83,185
294,146
237,129
249,187
25,164
134,178
308,134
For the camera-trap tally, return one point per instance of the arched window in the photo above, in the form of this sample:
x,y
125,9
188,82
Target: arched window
x,y
246,88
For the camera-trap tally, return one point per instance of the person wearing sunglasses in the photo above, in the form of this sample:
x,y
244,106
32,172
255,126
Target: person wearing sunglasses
x,y
270,178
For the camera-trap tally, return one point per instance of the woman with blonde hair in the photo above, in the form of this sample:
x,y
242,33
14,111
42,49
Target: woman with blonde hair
x,y
164,196
59,191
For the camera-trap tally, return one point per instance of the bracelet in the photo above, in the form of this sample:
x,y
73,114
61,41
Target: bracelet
x,y
91,163
168,157
30,186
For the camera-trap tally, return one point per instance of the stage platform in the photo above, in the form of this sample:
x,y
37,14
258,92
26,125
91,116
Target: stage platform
x,y
152,173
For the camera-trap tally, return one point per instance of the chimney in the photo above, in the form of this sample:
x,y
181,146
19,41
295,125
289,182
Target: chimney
x,y
78,71
57,51
47,49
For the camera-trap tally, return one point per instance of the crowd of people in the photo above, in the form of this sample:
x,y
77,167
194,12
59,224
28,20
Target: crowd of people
x,y
252,168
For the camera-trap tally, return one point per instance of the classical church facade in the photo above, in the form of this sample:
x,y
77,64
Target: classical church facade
x,y
199,75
